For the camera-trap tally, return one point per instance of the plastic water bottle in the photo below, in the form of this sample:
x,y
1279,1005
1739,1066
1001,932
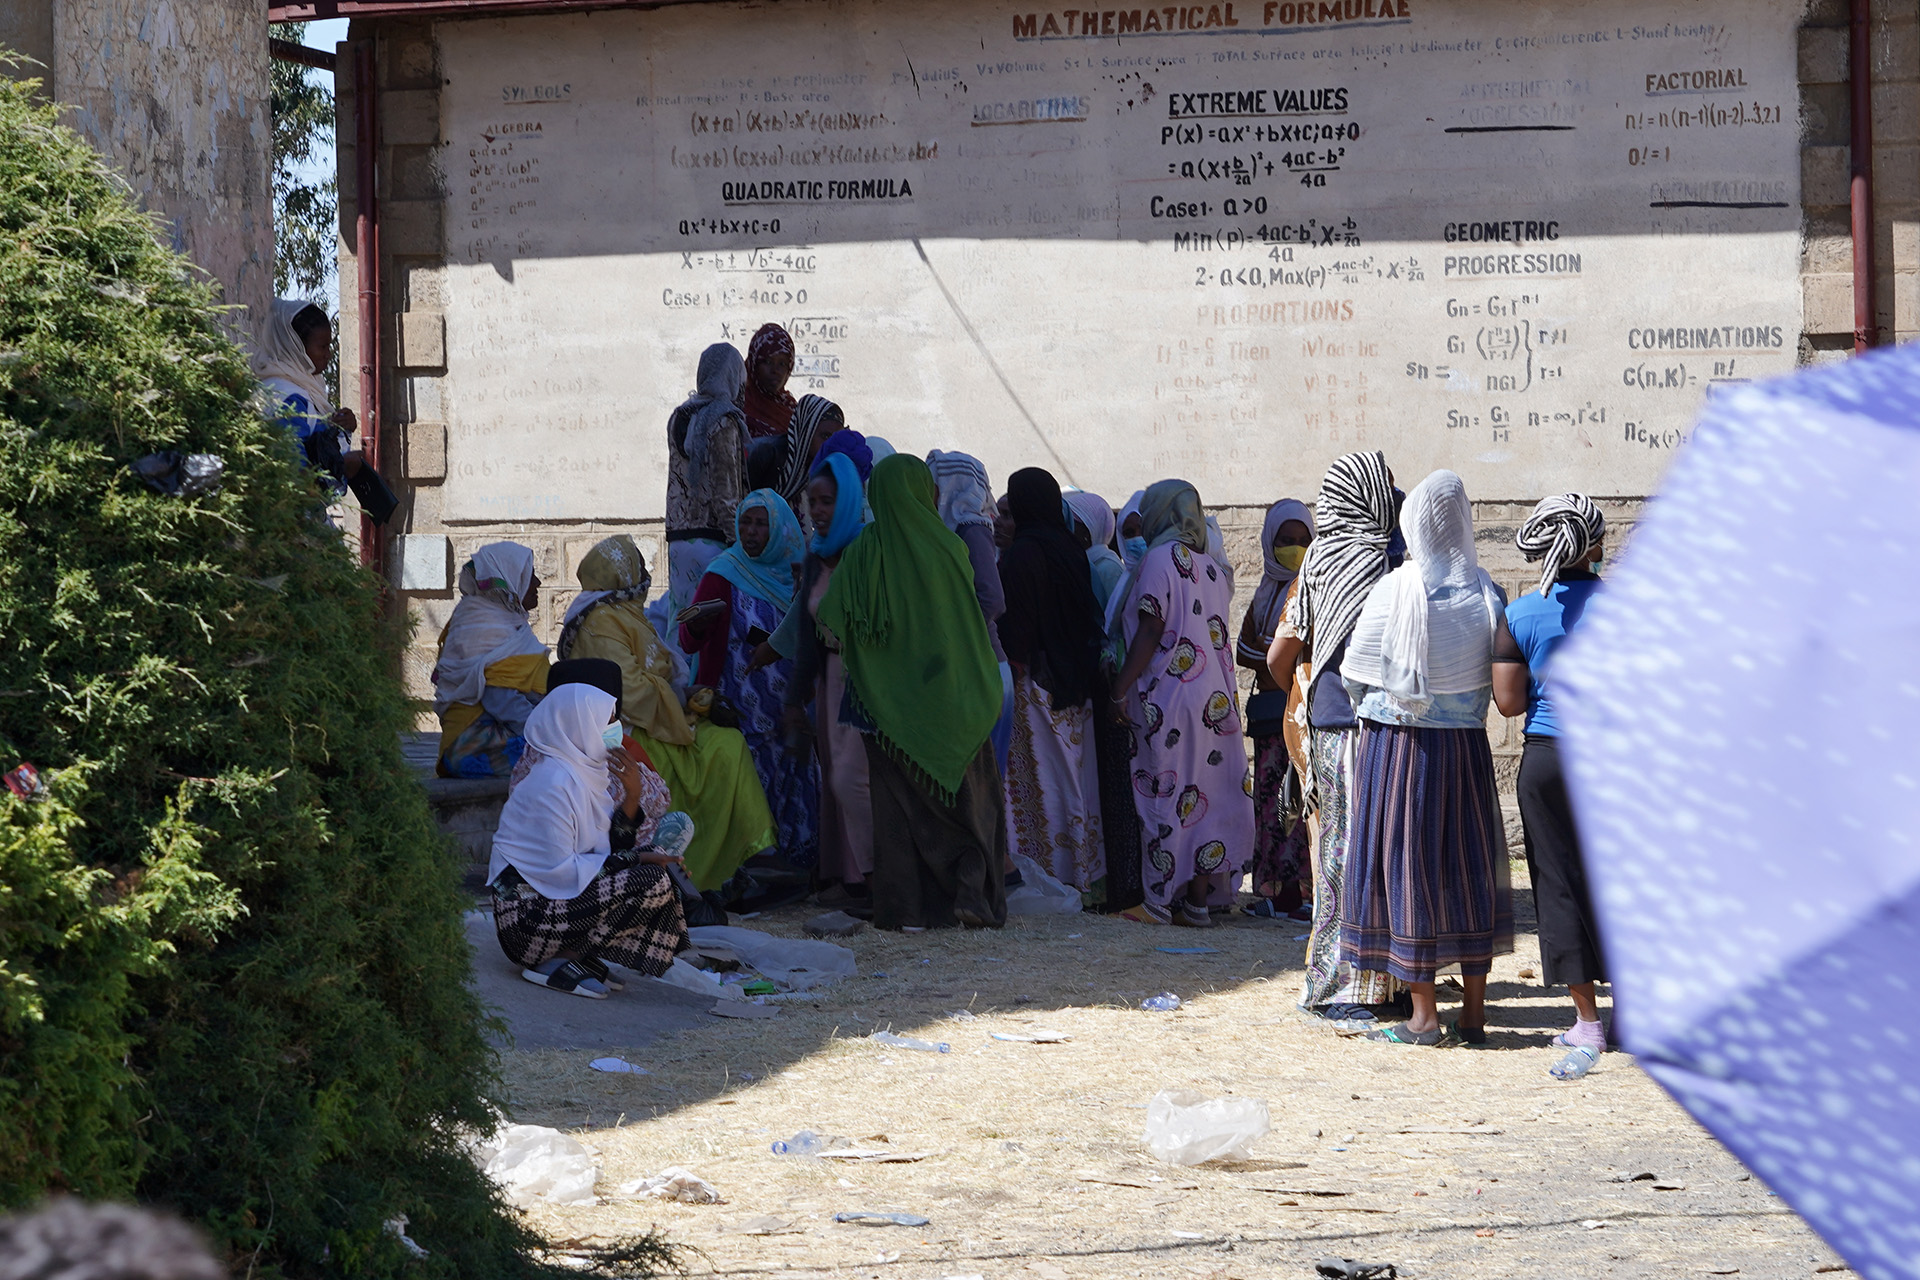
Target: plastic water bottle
x,y
908,1042
804,1143
1577,1063
1165,1002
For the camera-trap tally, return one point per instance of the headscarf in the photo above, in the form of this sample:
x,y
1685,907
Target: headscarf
x,y
1108,568
284,356
849,506
914,642
802,446
965,495
613,571
881,449
851,443
1428,627
602,673
1053,624
1561,530
768,575
767,415
488,624
553,829
1131,509
721,377
1275,577
1354,522
1170,511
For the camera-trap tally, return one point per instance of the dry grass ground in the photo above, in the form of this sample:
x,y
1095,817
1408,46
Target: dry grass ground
x,y
1037,1168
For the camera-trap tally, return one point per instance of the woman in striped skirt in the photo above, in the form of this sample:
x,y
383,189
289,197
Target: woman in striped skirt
x,y
1428,883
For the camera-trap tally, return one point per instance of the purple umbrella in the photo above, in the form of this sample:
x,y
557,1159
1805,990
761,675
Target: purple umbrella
x,y
1742,706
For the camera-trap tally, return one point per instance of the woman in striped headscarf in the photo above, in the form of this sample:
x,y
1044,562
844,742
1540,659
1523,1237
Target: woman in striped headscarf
x,y
1567,533
1280,840
1354,522
967,507
816,420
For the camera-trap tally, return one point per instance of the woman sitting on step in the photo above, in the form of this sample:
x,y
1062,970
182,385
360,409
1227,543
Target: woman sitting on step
x,y
572,888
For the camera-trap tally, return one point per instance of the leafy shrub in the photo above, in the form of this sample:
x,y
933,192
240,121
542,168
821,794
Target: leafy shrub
x,y
233,976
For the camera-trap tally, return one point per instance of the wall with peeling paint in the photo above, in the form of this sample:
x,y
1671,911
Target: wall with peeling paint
x,y
175,92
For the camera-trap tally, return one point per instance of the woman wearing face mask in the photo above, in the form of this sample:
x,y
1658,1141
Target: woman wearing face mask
x,y
1280,836
741,602
566,901
836,510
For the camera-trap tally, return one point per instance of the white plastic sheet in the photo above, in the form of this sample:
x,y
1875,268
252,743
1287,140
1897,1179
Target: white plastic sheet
x,y
1040,894
796,964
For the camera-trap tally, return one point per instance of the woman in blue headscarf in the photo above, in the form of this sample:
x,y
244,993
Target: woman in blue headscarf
x,y
836,511
742,600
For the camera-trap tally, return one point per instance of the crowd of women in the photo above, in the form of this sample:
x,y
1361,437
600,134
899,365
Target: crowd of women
x,y
866,666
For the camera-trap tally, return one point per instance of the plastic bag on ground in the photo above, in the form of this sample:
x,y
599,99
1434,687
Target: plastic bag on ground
x,y
796,964
699,981
1041,894
676,1183
537,1165
1185,1127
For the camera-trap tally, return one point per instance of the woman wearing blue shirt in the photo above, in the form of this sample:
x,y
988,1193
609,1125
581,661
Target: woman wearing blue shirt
x,y
1566,532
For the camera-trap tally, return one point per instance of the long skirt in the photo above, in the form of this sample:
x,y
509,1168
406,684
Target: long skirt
x,y
1428,884
937,864
1119,820
846,797
1570,951
1279,833
628,914
1331,978
715,783
789,779
1053,790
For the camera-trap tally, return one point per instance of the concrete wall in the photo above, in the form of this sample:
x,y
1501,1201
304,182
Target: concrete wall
x,y
545,303
175,93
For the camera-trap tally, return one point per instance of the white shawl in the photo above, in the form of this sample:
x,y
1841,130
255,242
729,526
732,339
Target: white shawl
x,y
1428,626
283,357
553,830
488,624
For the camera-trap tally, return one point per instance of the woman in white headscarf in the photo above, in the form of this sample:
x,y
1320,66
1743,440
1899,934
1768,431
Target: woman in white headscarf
x,y
706,471
293,356
1096,527
492,669
566,900
1427,881
1280,834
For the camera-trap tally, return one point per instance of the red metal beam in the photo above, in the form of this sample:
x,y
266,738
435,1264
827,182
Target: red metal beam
x,y
366,248
313,10
288,51
1866,276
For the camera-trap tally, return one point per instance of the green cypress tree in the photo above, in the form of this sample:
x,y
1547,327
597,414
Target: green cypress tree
x,y
233,978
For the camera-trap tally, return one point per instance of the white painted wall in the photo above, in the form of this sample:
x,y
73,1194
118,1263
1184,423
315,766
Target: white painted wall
x,y
1079,278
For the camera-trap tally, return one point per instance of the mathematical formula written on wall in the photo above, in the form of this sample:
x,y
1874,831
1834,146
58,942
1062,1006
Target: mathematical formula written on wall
x,y
1226,241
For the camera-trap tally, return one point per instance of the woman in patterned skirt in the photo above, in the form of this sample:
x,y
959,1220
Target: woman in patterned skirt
x,y
565,899
1177,685
741,602
1280,839
1428,882
1051,633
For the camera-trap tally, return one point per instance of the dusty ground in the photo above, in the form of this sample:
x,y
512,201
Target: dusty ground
x,y
1037,1168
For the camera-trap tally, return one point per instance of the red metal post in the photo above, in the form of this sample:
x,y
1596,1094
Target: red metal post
x,y
366,241
1866,282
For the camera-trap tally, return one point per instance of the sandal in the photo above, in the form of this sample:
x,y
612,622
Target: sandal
x,y
1470,1035
1262,909
570,978
1399,1033
1193,916
597,970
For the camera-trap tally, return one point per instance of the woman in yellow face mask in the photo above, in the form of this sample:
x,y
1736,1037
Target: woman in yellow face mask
x,y
1280,860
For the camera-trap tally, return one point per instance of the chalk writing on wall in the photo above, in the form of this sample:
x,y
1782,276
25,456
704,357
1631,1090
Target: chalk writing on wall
x,y
1228,242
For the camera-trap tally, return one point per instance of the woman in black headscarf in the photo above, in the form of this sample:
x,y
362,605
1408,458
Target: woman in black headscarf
x,y
1052,632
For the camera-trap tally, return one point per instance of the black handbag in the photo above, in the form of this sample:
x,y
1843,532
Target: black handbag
x,y
1266,713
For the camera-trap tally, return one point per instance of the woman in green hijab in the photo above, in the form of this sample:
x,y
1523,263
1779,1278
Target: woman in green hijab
x,y
925,689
